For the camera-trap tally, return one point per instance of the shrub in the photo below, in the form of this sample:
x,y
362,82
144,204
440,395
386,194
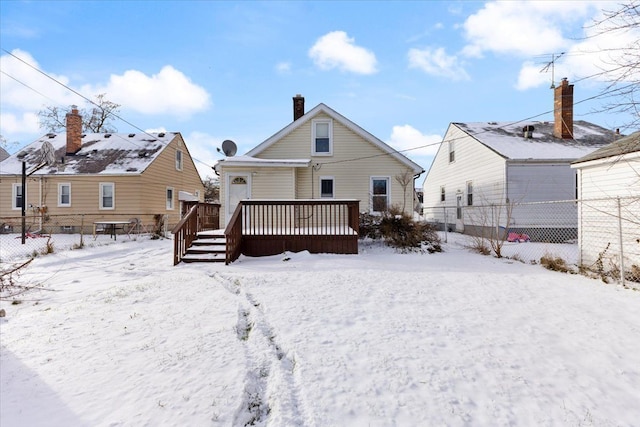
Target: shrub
x,y
400,230
554,263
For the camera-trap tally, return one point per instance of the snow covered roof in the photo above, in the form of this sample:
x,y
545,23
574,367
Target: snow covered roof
x,y
628,144
101,153
507,139
254,161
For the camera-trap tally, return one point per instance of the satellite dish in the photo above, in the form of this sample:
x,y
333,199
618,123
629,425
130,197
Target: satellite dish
x,y
48,153
229,148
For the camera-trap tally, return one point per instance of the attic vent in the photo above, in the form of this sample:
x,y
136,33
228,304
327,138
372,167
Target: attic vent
x,y
107,135
161,135
132,169
527,131
131,135
51,135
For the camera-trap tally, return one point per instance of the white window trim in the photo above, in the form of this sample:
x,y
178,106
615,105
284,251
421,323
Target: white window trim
x,y
469,193
60,204
452,151
179,162
313,137
327,178
170,204
113,196
443,194
388,179
14,195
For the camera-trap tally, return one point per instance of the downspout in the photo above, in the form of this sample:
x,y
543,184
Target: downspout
x,y
313,184
414,192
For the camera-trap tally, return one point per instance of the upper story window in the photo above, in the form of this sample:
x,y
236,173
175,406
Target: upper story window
x,y
107,195
326,187
64,194
442,194
178,160
16,196
322,143
452,151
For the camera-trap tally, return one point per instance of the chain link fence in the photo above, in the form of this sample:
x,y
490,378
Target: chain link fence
x,y
601,237
48,233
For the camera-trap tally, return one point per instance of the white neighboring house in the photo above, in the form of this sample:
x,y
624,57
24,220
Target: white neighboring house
x,y
609,215
501,163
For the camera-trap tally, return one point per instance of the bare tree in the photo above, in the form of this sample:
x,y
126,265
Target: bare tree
x,y
96,119
623,74
404,179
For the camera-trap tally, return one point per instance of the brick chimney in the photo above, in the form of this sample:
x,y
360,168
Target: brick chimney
x,y
298,107
563,110
74,131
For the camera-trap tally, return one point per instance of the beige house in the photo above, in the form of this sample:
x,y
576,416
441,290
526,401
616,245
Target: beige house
x,y
93,177
320,155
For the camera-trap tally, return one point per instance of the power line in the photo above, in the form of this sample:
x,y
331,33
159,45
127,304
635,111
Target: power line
x,y
85,98
606,93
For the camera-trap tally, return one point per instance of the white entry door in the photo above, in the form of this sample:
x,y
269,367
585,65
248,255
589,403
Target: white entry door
x,y
459,214
237,189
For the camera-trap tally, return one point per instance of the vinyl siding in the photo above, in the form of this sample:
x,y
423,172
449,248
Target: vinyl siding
x,y
161,174
136,195
351,177
265,183
473,162
600,183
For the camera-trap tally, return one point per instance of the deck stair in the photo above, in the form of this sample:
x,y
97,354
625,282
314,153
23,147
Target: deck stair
x,y
209,246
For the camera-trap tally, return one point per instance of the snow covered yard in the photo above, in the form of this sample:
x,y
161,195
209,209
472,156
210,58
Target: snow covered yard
x,y
122,338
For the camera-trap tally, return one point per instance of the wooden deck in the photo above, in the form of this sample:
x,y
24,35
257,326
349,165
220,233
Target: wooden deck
x,y
270,227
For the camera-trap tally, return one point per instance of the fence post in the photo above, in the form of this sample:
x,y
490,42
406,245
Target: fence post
x,y
446,226
620,241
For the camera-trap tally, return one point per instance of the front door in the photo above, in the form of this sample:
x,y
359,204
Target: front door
x,y
459,219
237,189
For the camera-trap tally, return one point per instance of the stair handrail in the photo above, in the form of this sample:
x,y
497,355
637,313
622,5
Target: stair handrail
x,y
184,233
233,235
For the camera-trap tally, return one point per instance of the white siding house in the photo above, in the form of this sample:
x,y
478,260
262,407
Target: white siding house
x,y
508,164
609,215
321,154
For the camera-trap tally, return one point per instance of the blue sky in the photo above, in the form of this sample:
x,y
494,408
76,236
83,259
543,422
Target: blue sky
x,y
228,70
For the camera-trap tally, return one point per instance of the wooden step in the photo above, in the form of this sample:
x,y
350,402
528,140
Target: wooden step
x,y
208,247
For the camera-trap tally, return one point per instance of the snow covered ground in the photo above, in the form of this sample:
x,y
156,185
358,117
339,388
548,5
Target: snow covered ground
x,y
120,337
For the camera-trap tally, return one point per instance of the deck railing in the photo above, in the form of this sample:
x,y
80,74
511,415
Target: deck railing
x,y
269,227
201,216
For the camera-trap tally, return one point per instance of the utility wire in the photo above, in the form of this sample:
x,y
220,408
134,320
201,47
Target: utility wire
x,y
606,93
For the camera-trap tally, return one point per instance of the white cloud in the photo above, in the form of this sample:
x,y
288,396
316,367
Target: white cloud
x,y
530,76
168,92
203,151
24,88
337,50
24,123
406,137
283,68
523,28
436,62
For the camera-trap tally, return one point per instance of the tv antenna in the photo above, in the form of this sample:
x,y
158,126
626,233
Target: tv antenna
x,y
551,65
